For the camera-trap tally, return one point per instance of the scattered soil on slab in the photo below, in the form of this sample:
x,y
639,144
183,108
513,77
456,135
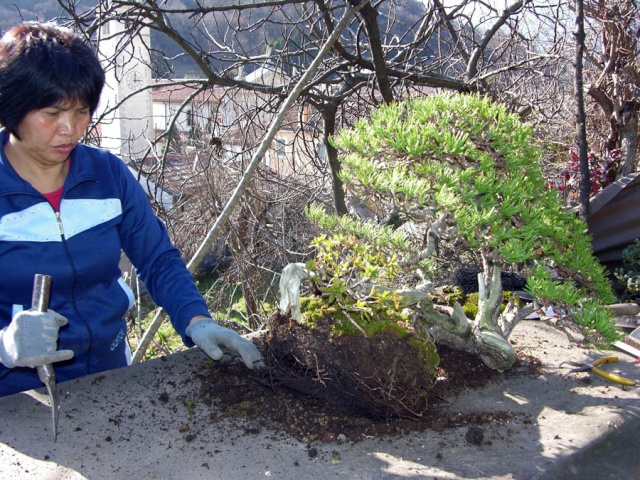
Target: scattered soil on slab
x,y
267,400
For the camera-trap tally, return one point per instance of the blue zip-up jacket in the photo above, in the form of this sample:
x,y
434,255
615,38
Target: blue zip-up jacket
x,y
103,211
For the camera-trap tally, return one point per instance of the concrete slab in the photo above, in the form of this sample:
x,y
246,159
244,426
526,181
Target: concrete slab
x,y
146,421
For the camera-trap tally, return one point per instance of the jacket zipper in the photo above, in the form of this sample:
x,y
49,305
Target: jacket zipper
x,y
64,241
60,227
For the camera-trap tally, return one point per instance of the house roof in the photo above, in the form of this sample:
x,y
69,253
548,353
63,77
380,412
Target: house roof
x,y
613,219
179,90
267,75
179,172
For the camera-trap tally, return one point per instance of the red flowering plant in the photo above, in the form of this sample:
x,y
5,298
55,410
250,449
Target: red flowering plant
x,y
600,174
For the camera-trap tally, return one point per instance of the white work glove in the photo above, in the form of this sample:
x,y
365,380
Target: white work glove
x,y
31,339
210,337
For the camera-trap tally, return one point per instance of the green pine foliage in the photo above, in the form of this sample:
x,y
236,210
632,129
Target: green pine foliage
x,y
467,160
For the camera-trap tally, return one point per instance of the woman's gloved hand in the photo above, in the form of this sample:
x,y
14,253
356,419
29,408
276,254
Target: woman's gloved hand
x,y
31,339
211,337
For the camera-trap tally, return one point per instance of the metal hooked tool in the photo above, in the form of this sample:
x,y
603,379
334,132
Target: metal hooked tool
x,y
592,367
40,303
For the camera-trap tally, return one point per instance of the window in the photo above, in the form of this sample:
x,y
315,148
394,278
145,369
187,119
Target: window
x,y
281,147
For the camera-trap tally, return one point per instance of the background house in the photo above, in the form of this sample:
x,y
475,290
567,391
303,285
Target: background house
x,y
137,112
245,116
180,102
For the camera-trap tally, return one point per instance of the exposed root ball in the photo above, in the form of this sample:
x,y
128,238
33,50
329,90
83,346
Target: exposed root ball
x,y
380,377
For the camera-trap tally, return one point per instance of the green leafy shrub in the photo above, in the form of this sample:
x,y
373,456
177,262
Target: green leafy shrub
x,y
629,274
343,273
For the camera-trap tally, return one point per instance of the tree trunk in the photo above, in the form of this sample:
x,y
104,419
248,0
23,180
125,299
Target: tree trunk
x,y
629,138
370,19
489,335
329,112
581,128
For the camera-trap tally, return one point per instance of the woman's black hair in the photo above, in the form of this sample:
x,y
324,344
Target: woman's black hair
x,y
42,64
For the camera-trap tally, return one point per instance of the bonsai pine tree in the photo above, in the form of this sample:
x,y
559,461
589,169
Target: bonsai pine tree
x,y
457,174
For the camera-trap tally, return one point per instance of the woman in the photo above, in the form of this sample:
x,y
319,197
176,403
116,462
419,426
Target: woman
x,y
68,210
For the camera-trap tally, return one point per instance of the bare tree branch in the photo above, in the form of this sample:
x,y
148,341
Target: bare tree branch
x,y
253,165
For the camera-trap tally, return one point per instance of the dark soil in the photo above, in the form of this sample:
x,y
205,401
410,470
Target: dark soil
x,y
273,398
383,376
467,280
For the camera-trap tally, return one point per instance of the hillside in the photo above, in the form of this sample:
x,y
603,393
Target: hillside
x,y
250,41
14,12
